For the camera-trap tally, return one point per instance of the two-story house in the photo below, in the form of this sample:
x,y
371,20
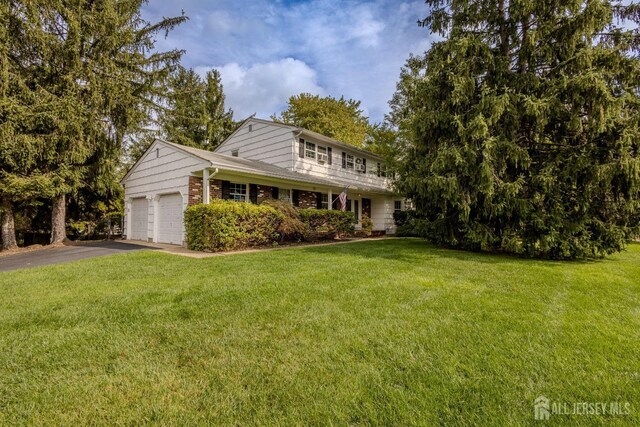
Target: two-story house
x,y
260,160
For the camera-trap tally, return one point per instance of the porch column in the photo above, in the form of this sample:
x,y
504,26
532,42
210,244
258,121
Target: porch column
x,y
205,186
330,200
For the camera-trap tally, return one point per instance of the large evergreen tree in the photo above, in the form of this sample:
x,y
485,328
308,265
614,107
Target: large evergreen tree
x,y
341,119
520,130
92,69
219,122
195,114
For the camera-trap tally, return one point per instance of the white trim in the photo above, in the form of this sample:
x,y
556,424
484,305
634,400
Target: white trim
x,y
205,187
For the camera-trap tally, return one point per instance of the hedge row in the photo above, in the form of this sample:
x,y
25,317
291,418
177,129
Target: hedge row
x,y
327,224
226,225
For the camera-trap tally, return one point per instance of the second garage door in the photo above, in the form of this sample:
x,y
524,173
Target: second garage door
x,y
170,219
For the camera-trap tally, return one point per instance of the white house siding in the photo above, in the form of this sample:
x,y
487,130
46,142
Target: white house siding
x,y
266,142
162,170
382,213
335,170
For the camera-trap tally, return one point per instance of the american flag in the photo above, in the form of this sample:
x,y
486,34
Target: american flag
x,y
343,199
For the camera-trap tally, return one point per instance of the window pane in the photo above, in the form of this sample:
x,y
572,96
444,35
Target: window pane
x,y
397,205
349,161
237,192
310,150
285,195
322,150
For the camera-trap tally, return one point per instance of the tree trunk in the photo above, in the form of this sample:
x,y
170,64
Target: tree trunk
x,y
8,227
58,217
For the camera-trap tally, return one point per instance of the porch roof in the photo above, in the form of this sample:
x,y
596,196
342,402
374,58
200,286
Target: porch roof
x,y
258,168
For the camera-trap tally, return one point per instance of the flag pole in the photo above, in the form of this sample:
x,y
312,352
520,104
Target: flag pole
x,y
338,196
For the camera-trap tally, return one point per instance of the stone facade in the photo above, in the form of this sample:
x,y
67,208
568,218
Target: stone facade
x,y
215,189
195,190
308,199
264,192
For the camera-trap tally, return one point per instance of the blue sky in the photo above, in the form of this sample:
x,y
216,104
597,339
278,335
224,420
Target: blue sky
x,y
267,51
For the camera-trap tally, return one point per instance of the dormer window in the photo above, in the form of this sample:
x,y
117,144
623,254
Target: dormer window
x,y
309,150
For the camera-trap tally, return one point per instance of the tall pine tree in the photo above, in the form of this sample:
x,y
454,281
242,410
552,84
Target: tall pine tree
x,y
521,129
195,114
219,122
93,69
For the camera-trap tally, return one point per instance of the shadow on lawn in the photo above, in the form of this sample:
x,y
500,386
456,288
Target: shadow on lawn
x,y
413,250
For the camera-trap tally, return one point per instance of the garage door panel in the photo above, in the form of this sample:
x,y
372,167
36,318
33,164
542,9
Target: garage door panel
x,y
170,219
139,219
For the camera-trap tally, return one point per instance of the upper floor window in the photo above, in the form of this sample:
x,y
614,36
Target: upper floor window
x,y
237,192
322,154
350,161
310,150
382,170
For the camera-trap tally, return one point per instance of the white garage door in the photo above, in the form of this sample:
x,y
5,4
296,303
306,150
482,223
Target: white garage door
x,y
139,219
170,219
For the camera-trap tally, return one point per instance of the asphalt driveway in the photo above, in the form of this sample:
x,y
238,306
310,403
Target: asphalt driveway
x,y
60,254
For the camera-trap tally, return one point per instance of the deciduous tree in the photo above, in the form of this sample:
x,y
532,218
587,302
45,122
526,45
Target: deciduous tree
x,y
340,119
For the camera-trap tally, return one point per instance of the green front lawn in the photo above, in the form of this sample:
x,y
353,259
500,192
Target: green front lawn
x,y
380,332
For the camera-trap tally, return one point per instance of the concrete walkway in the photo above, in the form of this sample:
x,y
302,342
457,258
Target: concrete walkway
x,y
182,251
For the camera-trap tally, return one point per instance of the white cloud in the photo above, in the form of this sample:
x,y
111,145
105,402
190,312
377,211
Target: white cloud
x,y
264,88
353,48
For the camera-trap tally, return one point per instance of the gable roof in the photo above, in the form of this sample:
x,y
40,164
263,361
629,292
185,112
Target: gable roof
x,y
304,132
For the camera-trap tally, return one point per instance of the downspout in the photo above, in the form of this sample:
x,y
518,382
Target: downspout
x,y
206,184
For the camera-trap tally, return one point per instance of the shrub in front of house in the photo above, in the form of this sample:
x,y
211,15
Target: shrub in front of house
x,y
291,228
226,225
327,224
367,226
